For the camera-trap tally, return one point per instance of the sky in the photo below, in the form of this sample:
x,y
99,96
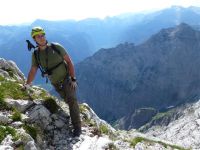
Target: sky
x,y
26,11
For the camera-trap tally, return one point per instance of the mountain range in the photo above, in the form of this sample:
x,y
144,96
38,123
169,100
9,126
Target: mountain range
x,y
156,75
83,38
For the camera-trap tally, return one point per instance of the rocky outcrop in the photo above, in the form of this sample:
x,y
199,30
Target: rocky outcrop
x,y
9,69
54,131
137,119
182,131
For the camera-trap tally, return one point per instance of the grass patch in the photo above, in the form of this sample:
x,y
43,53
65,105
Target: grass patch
x,y
89,122
13,89
83,108
103,129
5,130
43,94
1,78
51,105
10,89
112,147
3,104
159,115
38,93
16,115
172,146
31,130
10,71
136,140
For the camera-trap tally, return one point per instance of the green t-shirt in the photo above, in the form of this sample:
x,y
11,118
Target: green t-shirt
x,y
59,73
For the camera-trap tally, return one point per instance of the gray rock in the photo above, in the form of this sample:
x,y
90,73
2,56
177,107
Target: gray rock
x,y
17,124
11,66
5,147
50,127
4,119
136,119
184,131
30,146
4,73
7,141
25,137
40,115
20,105
59,123
92,115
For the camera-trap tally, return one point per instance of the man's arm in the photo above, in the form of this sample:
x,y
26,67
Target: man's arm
x,y
31,74
70,64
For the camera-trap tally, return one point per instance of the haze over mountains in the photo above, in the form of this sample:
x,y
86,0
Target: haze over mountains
x,y
83,38
160,73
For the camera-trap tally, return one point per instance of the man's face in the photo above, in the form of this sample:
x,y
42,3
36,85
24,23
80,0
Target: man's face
x,y
40,39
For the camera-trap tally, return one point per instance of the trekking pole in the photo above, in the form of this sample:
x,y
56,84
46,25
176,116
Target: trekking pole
x,y
30,45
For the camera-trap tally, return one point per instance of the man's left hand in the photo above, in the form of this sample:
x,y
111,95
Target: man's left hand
x,y
73,83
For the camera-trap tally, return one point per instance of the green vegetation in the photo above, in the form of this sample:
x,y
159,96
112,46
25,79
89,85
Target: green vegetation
x,y
103,129
16,115
112,147
20,147
159,115
136,140
83,108
31,130
5,130
3,104
51,105
10,72
2,78
43,94
10,89
89,122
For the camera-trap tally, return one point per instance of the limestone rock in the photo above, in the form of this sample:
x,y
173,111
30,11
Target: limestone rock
x,y
11,69
20,105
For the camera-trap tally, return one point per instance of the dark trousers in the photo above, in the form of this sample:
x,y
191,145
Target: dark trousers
x,y
69,95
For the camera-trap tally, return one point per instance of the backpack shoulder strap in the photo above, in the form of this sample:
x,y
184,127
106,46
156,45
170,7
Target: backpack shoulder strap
x,y
54,47
36,54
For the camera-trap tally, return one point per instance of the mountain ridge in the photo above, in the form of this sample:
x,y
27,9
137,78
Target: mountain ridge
x,y
159,73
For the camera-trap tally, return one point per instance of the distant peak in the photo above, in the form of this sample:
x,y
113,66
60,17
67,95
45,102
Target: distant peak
x,y
181,31
184,26
176,7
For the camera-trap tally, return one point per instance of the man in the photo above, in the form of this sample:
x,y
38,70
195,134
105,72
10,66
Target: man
x,y
55,63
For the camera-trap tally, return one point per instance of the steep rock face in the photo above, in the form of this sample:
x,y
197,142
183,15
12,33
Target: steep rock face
x,y
9,69
136,119
184,130
160,73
